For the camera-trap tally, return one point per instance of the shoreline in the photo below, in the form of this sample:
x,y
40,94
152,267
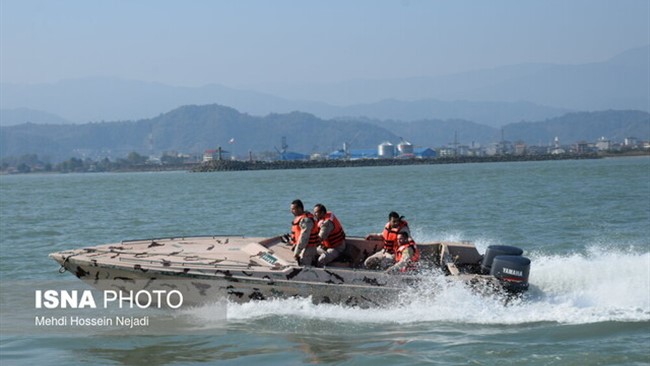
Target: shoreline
x,y
241,165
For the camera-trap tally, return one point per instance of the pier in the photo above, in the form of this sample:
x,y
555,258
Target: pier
x,y
238,165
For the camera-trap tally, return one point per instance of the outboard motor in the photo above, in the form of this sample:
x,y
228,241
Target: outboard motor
x,y
512,271
495,250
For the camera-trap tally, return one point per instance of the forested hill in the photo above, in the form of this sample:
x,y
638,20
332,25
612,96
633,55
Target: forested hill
x,y
585,126
193,129
190,129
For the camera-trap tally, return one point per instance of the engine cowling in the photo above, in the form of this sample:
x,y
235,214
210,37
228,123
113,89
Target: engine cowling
x,y
512,271
495,250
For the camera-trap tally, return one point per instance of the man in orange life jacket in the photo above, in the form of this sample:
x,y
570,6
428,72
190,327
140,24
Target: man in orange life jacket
x,y
304,234
330,234
386,257
407,254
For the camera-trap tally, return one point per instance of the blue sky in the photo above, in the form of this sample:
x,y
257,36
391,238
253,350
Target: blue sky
x,y
246,43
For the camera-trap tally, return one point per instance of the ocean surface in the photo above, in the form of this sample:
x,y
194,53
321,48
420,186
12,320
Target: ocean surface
x,y
585,225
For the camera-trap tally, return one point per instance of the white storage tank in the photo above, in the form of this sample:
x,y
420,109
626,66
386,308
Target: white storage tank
x,y
405,147
386,150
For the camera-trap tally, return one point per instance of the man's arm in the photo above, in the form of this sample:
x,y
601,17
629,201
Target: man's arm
x,y
325,230
306,225
406,257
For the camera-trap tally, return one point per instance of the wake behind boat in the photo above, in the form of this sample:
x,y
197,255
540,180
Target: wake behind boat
x,y
206,268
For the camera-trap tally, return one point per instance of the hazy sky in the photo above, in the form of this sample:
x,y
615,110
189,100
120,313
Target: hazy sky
x,y
238,43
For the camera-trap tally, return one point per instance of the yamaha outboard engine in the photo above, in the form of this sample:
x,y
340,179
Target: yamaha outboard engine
x,y
508,266
512,271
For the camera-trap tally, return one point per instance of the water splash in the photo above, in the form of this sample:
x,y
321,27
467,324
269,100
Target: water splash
x,y
604,284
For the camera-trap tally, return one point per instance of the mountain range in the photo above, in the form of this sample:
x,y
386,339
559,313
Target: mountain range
x,y
621,82
193,129
492,97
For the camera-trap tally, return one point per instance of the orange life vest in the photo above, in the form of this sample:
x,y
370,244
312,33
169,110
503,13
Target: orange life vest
x,y
416,255
390,235
296,230
337,235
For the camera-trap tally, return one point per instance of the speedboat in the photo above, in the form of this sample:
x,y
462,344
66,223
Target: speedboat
x,y
240,268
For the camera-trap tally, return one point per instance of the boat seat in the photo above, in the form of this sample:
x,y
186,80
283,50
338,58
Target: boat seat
x,y
464,253
430,252
357,250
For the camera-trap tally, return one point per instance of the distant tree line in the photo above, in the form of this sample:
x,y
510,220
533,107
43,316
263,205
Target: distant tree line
x,y
31,163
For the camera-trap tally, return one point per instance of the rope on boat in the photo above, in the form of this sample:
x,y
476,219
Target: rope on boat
x,y
65,260
63,269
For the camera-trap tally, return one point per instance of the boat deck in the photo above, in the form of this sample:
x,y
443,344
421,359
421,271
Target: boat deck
x,y
240,252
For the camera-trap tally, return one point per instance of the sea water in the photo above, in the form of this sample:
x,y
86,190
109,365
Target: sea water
x,y
585,225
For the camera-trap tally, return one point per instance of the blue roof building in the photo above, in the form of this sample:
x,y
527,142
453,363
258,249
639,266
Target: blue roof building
x,y
354,154
424,152
292,155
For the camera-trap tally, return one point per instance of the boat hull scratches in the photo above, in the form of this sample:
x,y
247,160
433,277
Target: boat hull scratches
x,y
365,289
